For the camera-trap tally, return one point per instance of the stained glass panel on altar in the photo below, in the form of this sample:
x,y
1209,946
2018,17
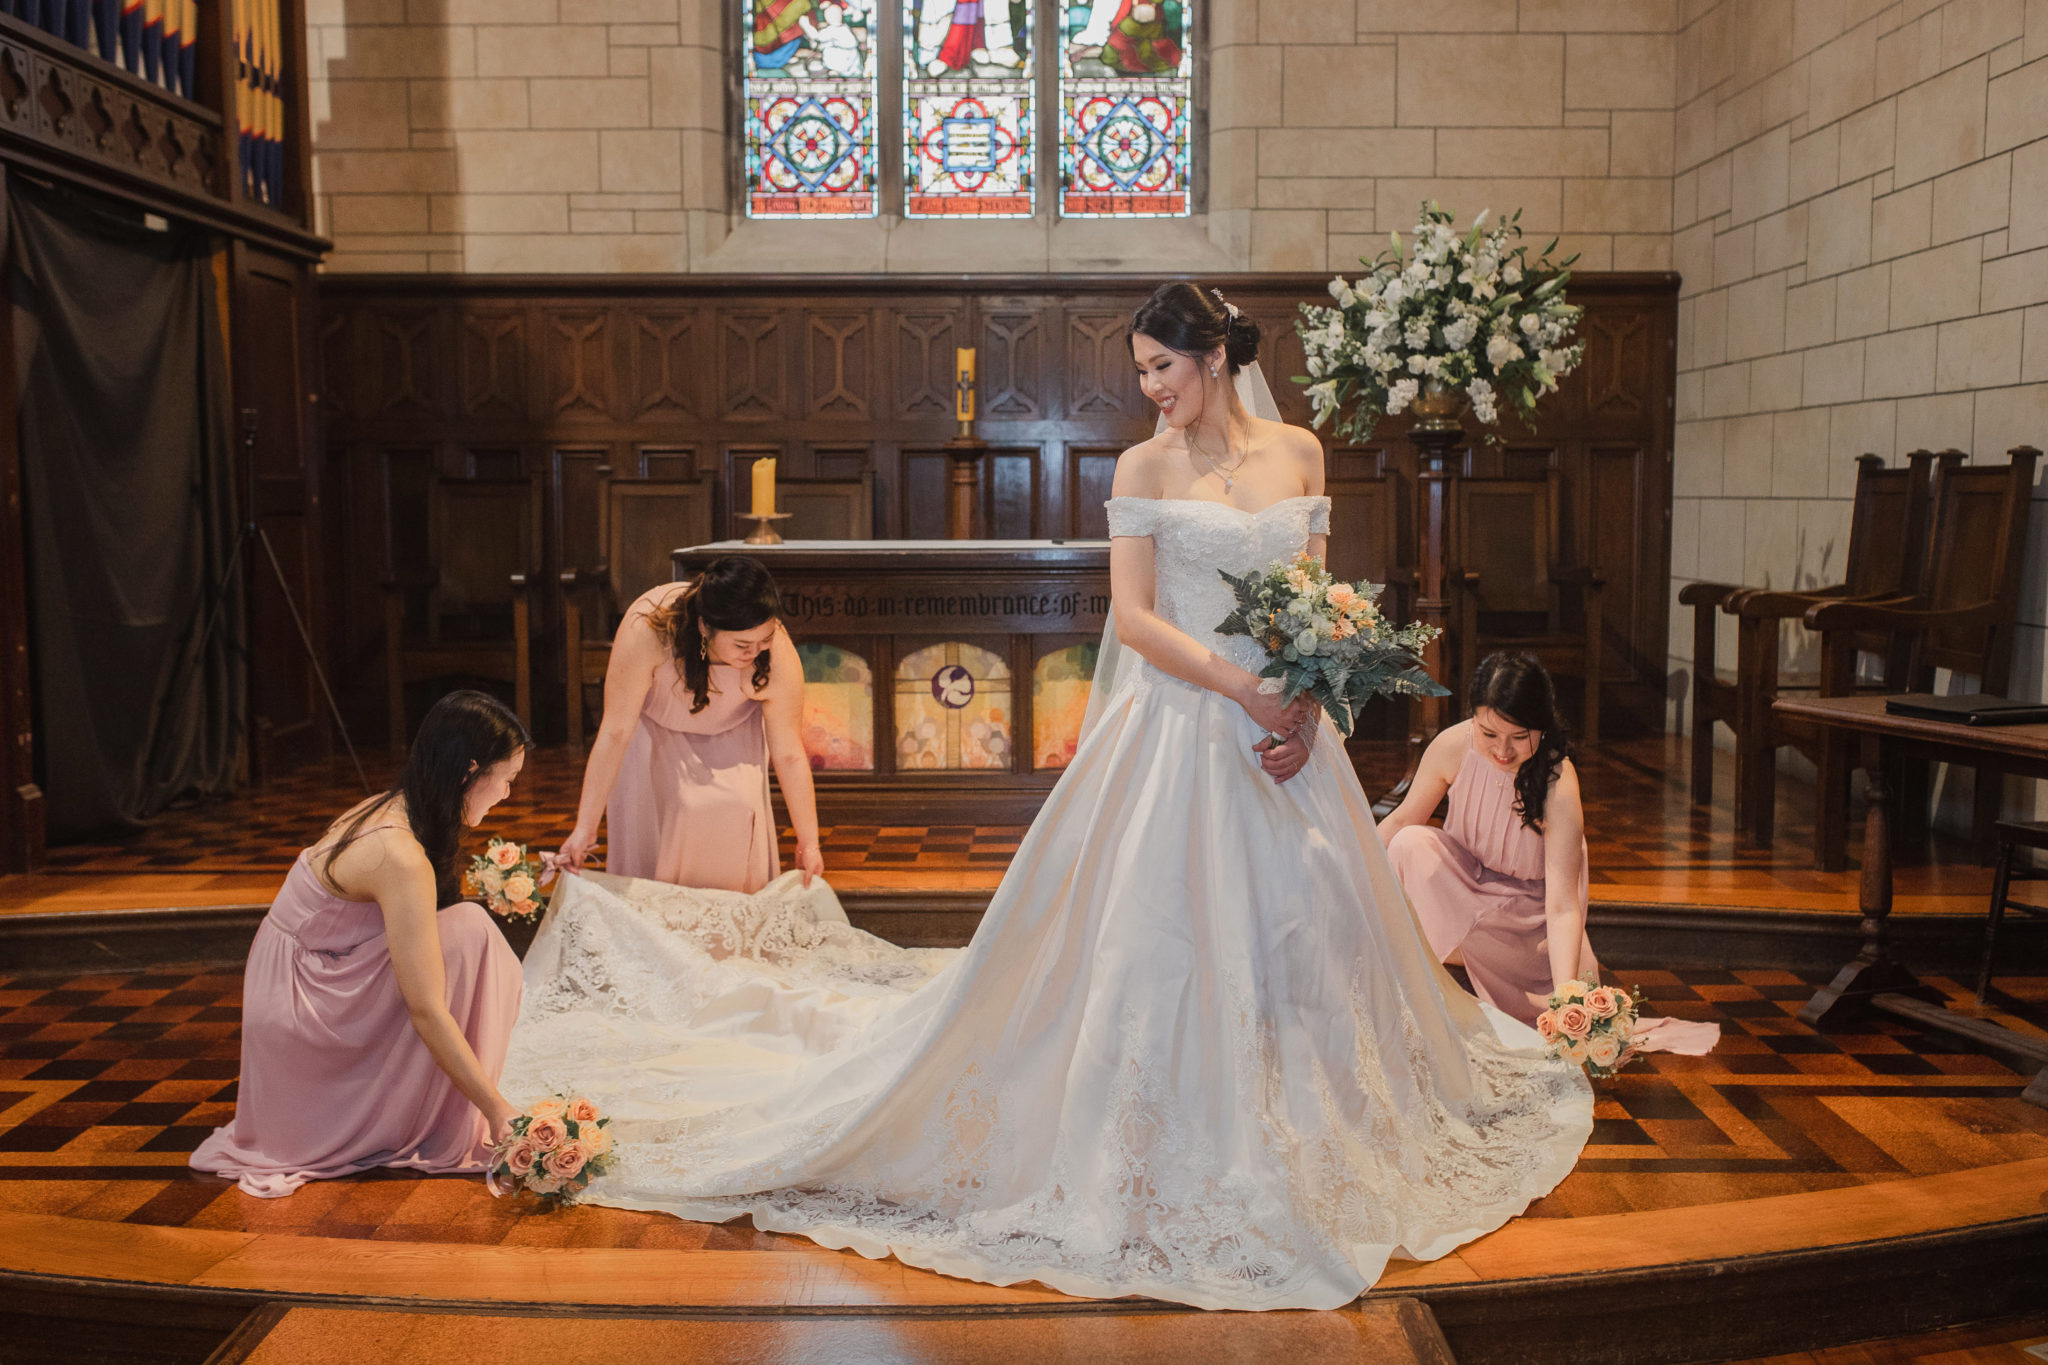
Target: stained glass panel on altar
x,y
953,709
1059,699
1125,108
808,84
839,708
967,109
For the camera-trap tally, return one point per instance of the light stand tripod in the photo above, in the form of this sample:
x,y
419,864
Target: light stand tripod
x,y
252,532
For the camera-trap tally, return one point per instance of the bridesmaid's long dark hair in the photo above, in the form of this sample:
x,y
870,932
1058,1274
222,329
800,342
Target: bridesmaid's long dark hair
x,y
1519,689
733,593
464,734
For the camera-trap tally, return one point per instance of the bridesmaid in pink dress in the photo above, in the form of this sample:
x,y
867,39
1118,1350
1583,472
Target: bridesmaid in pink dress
x,y
374,1025
704,690
1501,888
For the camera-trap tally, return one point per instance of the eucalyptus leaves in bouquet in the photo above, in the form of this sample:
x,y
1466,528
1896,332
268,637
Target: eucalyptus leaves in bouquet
x,y
1468,313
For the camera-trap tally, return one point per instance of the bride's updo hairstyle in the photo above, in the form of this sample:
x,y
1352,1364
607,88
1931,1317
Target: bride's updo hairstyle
x,y
1518,688
733,593
1181,317
464,734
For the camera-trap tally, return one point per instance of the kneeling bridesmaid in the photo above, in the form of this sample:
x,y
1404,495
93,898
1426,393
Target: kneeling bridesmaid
x,y
1502,887
377,1004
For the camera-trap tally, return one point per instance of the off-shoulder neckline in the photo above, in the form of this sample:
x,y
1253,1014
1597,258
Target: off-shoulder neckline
x,y
1229,506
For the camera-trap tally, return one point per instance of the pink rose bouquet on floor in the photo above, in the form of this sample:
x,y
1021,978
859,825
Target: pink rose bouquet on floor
x,y
553,1150
508,880
1591,1026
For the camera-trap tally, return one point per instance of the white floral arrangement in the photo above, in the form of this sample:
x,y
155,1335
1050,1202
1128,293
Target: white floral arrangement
x,y
1470,312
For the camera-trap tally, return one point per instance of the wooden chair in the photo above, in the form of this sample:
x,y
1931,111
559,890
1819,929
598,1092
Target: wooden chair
x,y
1887,547
826,509
2013,835
470,615
1512,586
645,520
1963,619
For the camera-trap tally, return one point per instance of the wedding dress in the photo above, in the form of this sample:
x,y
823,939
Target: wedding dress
x,y
1198,1049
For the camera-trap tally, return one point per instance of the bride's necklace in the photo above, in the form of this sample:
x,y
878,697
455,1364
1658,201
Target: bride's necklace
x,y
1229,476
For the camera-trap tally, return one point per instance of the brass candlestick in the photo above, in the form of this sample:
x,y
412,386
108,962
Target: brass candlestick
x,y
764,532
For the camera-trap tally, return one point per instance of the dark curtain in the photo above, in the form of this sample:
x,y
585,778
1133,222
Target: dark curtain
x,y
126,464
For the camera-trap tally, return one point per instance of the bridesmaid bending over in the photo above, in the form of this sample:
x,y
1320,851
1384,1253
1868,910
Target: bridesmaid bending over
x,y
1502,887
374,1024
704,688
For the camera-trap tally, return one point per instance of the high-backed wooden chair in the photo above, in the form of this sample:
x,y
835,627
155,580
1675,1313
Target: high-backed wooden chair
x,y
1886,551
1515,592
645,520
1963,619
825,509
469,616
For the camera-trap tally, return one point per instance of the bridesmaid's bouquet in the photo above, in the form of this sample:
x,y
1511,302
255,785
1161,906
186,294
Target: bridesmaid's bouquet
x,y
1327,638
508,880
555,1148
1591,1026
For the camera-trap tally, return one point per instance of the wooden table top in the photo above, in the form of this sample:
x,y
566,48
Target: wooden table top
x,y
1866,714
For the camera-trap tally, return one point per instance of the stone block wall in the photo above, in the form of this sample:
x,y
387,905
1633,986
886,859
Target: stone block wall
x,y
1860,215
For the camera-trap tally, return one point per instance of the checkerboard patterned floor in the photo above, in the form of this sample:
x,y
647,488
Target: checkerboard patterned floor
x,y
106,1082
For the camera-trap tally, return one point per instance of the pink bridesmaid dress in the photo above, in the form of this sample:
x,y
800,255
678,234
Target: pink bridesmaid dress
x,y
334,1079
691,805
1477,884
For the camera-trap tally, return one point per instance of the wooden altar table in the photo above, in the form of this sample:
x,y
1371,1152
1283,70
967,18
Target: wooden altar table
x,y
945,678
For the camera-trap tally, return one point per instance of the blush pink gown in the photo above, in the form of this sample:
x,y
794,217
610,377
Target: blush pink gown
x,y
1477,884
334,1078
691,805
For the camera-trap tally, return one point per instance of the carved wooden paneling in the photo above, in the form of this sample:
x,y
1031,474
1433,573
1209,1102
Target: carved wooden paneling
x,y
751,382
839,364
493,462
576,522
666,462
843,379
1280,359
493,368
666,364
56,98
578,369
1010,365
925,342
1615,377
337,365
1090,472
1101,380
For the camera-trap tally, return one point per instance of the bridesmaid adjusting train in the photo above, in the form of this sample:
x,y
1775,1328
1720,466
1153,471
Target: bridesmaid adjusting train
x,y
374,1025
703,689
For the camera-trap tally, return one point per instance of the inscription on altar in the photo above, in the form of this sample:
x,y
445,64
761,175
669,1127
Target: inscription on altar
x,y
920,608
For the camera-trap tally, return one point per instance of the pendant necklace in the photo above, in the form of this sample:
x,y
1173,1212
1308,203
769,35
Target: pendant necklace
x,y
1229,476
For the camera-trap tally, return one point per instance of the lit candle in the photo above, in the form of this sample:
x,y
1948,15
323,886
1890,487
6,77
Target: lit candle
x,y
764,486
963,383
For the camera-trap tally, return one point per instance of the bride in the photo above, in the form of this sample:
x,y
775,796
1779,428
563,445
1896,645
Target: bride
x,y
1198,1048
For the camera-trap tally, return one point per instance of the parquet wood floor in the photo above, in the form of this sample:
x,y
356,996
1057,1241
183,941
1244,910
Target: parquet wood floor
x,y
108,1082
1647,843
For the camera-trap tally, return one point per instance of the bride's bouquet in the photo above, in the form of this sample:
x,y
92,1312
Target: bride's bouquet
x,y
1468,313
1591,1026
1327,638
555,1148
508,879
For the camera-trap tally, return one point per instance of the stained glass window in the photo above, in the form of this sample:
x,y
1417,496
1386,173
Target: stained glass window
x,y
809,89
967,109
839,708
1125,107
953,708
1059,698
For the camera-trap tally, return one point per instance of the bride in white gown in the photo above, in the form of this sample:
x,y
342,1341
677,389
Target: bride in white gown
x,y
1198,1049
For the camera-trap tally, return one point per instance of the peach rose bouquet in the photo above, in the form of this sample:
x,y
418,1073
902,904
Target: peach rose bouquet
x,y
553,1150
1591,1026
508,880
